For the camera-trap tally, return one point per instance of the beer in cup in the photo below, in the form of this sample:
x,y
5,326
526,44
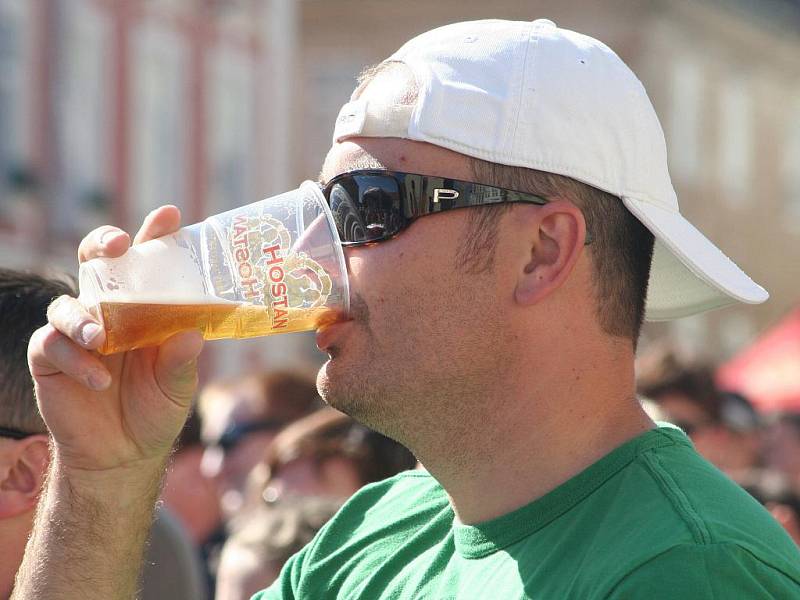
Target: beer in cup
x,y
275,266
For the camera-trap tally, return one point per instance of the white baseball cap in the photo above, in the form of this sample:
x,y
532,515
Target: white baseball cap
x,y
530,94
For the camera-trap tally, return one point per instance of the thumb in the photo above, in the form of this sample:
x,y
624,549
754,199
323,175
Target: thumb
x,y
175,368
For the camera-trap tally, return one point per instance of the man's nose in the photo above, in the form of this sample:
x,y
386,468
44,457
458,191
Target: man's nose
x,y
318,242
317,238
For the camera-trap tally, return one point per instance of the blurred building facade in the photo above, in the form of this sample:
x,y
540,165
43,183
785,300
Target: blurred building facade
x,y
109,108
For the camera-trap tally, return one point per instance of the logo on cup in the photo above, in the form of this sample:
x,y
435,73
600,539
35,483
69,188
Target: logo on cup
x,y
269,274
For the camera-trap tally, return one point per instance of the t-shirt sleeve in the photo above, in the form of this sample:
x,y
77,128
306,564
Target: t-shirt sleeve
x,y
711,571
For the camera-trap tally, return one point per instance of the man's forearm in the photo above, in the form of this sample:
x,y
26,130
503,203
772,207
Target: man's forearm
x,y
89,535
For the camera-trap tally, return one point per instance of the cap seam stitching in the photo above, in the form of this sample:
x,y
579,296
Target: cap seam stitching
x,y
423,87
638,137
534,34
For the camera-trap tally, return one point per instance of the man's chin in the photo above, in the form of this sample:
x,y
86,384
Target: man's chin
x,y
326,382
335,386
347,391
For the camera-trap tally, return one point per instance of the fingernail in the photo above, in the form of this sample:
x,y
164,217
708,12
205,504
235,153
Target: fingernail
x,y
98,380
108,236
90,332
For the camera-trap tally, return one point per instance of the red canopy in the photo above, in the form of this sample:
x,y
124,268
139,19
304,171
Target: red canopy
x,y
768,371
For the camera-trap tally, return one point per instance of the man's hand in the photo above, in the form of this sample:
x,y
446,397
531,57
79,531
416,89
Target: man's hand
x,y
113,420
107,412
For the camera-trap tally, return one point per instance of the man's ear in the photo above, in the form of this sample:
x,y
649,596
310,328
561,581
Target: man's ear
x,y
22,474
558,231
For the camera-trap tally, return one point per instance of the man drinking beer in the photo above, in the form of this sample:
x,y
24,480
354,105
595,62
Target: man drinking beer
x,y
496,342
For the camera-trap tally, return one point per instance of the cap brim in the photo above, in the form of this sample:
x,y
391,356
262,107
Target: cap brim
x,y
689,274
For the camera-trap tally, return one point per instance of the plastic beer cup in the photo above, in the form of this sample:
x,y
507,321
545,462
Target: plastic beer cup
x,y
275,266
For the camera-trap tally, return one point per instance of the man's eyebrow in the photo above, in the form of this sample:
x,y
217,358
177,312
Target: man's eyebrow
x,y
360,161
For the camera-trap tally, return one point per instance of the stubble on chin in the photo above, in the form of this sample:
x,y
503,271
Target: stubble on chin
x,y
351,390
342,390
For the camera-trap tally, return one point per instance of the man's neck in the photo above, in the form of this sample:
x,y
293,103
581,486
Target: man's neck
x,y
532,437
13,537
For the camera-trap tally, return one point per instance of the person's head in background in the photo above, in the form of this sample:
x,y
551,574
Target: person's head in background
x,y
773,490
310,469
24,452
191,497
782,447
326,454
240,417
723,426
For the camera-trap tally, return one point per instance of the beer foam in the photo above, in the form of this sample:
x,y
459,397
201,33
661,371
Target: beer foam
x,y
168,299
162,271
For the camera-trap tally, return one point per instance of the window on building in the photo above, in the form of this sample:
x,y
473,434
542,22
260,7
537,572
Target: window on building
x,y
790,165
735,139
82,122
16,71
691,334
160,119
232,131
686,89
736,330
330,79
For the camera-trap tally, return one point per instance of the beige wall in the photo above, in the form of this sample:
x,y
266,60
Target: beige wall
x,y
745,68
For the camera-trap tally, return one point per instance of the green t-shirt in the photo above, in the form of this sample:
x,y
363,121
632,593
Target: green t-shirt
x,y
650,520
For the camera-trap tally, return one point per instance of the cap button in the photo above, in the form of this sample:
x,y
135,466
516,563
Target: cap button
x,y
545,24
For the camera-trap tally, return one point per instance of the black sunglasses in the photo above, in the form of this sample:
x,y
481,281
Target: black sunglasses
x,y
373,205
234,433
15,434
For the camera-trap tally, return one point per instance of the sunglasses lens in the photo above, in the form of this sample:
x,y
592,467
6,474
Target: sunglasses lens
x,y
366,208
344,208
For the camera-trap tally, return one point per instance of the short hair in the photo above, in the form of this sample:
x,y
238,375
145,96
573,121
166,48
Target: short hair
x,y
291,394
621,250
769,486
263,537
328,433
24,298
664,371
285,394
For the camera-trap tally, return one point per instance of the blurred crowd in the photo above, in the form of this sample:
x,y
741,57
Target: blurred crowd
x,y
759,451
262,464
